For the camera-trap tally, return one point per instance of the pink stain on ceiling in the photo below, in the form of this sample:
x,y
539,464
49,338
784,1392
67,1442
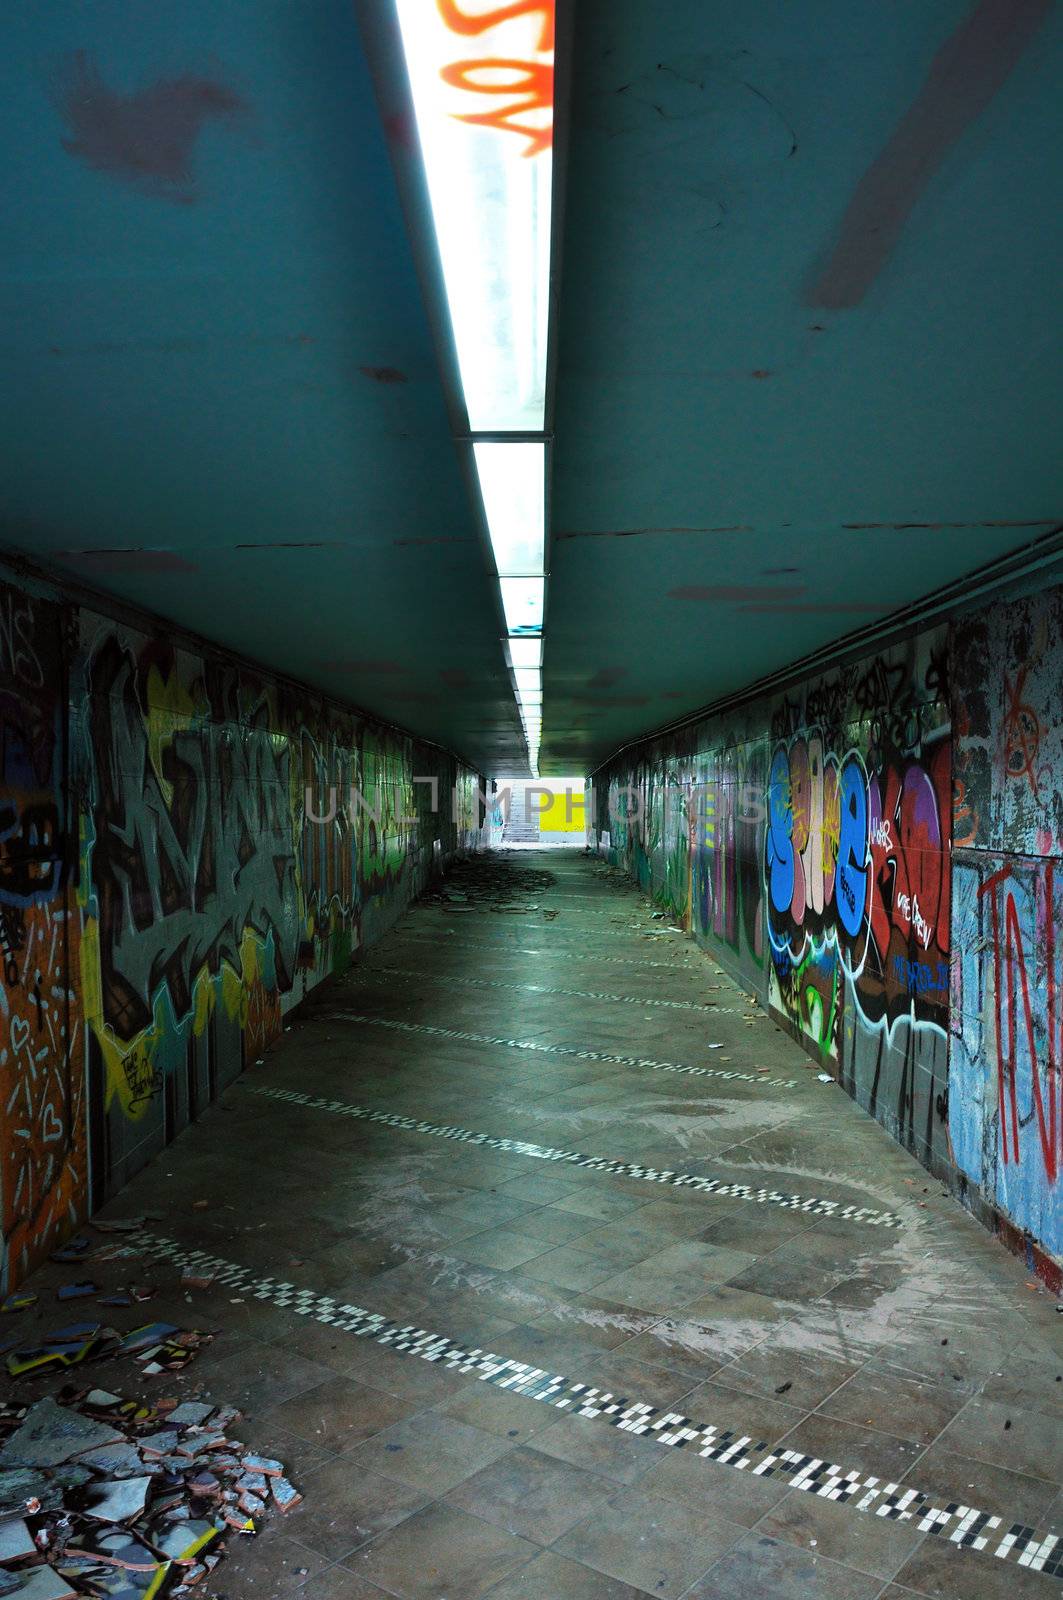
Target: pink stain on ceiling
x,y
384,374
965,75
598,700
400,129
114,562
147,138
635,533
606,677
821,608
737,591
369,668
455,678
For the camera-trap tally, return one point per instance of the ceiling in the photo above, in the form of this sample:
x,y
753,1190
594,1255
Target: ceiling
x,y
806,371
804,368
220,394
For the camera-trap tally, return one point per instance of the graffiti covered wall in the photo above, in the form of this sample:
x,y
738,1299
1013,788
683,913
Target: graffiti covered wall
x,y
1005,1090
164,899
877,855
43,1153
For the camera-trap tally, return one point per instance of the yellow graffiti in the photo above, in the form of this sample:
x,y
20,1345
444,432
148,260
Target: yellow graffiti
x,y
831,832
91,987
171,710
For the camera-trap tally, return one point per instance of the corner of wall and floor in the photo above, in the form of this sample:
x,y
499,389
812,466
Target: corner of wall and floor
x,y
875,852
163,901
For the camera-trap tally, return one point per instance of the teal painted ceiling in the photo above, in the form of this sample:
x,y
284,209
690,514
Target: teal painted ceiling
x,y
809,358
220,395
805,366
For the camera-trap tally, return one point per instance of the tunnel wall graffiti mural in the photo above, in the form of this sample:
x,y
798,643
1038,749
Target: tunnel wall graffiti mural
x,y
875,854
1006,1016
44,1155
164,900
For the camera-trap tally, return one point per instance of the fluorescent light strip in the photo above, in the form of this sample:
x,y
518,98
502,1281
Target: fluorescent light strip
x,y
523,602
482,87
483,97
513,488
525,652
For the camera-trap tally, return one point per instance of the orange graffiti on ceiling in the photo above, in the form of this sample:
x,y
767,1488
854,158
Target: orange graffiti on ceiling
x,y
529,85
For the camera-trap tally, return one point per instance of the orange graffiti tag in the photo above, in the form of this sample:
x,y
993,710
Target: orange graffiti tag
x,y
528,85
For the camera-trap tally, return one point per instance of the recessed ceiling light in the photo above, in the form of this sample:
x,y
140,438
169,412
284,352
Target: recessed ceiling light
x,y
513,487
522,602
525,652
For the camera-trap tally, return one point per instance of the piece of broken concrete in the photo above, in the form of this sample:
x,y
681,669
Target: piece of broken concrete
x,y
16,1540
44,1583
52,1434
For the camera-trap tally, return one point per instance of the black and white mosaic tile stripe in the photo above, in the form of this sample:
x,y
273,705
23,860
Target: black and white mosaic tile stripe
x,y
605,1056
982,1531
537,988
809,1204
684,962
540,921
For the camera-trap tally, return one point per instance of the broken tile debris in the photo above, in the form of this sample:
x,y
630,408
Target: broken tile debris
x,y
158,1346
123,1499
16,1540
50,1434
20,1300
73,1250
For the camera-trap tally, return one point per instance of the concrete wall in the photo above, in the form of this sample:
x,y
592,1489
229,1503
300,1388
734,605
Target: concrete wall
x,y
875,853
163,899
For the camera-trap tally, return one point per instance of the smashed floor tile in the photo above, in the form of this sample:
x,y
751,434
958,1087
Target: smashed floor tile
x,y
20,1300
73,1250
150,1333
16,1540
116,1498
190,1414
49,1435
116,1460
285,1497
43,1583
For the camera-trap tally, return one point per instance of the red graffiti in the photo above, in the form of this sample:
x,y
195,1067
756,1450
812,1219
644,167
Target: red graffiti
x,y
1012,986
908,831
1021,735
527,85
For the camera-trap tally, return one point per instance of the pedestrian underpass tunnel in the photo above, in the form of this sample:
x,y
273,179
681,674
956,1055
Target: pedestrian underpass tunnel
x,y
531,797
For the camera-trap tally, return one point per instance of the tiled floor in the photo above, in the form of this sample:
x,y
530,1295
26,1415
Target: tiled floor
x,y
634,1266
